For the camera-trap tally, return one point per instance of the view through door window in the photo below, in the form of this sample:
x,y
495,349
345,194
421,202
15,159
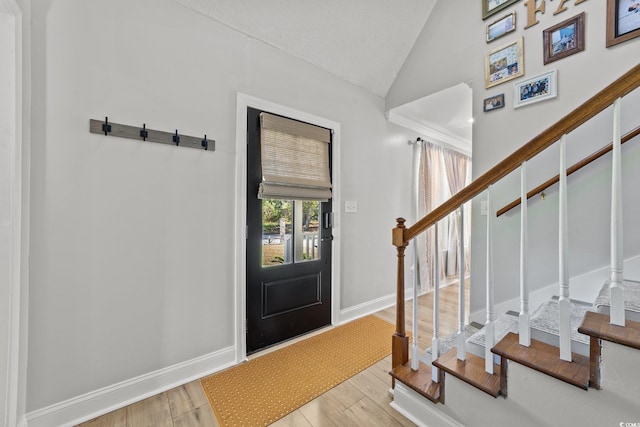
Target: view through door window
x,y
290,231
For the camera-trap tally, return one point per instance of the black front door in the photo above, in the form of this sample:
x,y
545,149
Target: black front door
x,y
288,259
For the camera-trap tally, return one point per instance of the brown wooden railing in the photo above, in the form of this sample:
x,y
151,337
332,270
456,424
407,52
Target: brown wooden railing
x,y
401,235
582,163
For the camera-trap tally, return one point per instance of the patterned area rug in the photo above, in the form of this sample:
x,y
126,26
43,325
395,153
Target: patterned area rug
x,y
263,390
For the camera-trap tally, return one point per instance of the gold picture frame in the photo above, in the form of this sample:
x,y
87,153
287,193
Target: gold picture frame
x,y
501,27
504,64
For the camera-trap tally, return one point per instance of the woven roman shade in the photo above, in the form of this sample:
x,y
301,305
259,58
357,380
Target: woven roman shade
x,y
295,160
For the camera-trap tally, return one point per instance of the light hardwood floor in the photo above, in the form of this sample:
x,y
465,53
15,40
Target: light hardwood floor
x,y
363,400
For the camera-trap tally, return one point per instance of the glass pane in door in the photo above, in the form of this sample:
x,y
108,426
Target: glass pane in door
x,y
277,228
307,230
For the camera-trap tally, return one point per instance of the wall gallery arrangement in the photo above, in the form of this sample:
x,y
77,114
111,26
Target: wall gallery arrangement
x,y
559,41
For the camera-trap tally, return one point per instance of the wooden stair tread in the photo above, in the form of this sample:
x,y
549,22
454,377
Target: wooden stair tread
x,y
545,358
470,371
598,326
419,381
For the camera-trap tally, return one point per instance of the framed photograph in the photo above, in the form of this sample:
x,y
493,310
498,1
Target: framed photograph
x,y
623,21
493,103
563,39
491,7
535,89
505,63
502,26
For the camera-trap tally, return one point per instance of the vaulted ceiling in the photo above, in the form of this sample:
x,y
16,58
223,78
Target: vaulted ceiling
x,y
364,42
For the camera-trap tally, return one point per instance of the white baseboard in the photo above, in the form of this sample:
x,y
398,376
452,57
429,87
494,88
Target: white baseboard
x,y
370,307
584,287
419,410
99,402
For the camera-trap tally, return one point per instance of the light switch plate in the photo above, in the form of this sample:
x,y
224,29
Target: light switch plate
x,y
351,206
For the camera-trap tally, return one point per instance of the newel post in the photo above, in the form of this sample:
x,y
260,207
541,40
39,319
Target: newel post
x,y
400,341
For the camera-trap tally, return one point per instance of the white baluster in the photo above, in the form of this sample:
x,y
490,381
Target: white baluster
x,y
617,249
524,330
435,341
564,303
415,361
489,325
415,190
462,353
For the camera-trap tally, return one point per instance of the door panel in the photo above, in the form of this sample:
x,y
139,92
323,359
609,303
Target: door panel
x,y
288,259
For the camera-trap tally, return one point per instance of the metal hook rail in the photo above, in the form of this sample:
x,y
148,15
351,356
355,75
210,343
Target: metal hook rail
x,y
144,134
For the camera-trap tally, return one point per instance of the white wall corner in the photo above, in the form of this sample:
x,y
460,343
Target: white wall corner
x,y
419,410
99,402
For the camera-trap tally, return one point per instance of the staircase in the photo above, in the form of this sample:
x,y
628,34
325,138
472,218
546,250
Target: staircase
x,y
567,362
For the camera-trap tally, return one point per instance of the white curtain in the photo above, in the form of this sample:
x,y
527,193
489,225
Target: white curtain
x,y
443,172
455,165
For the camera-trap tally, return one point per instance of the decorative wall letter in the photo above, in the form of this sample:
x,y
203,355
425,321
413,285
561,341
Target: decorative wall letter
x,y
532,9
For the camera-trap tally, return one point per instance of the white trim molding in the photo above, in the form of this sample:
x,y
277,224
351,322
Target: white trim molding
x,y
243,102
419,410
13,241
432,131
107,399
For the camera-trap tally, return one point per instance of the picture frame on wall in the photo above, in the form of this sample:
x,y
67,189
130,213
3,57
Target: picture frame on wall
x,y
535,89
501,27
493,103
623,21
563,39
504,64
491,7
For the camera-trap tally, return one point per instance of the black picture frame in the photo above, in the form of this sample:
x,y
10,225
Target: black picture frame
x,y
493,103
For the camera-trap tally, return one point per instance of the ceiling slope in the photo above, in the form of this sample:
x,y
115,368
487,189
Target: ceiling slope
x,y
364,42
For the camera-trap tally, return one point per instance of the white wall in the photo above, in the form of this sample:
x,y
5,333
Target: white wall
x,y
7,181
132,247
450,50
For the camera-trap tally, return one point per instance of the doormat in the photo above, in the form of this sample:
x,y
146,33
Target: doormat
x,y
263,390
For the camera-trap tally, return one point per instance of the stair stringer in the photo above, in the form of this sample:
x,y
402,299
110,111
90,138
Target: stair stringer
x,y
535,399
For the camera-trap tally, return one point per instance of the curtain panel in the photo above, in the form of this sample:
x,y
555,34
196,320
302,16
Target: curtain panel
x,y
443,172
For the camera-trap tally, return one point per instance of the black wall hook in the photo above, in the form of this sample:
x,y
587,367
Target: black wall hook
x,y
106,127
205,143
176,138
143,132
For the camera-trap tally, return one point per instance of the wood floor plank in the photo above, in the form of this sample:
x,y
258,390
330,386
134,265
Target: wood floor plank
x,y
113,419
324,410
378,391
199,417
151,412
186,398
366,413
381,370
294,419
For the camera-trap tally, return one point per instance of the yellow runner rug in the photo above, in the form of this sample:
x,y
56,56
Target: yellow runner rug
x,y
263,390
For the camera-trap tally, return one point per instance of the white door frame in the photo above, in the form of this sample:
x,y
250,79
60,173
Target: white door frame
x,y
244,102
14,241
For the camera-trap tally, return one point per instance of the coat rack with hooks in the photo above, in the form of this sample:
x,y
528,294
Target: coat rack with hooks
x,y
144,134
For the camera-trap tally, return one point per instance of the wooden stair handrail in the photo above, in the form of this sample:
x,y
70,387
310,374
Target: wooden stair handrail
x,y
590,108
582,163
401,235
